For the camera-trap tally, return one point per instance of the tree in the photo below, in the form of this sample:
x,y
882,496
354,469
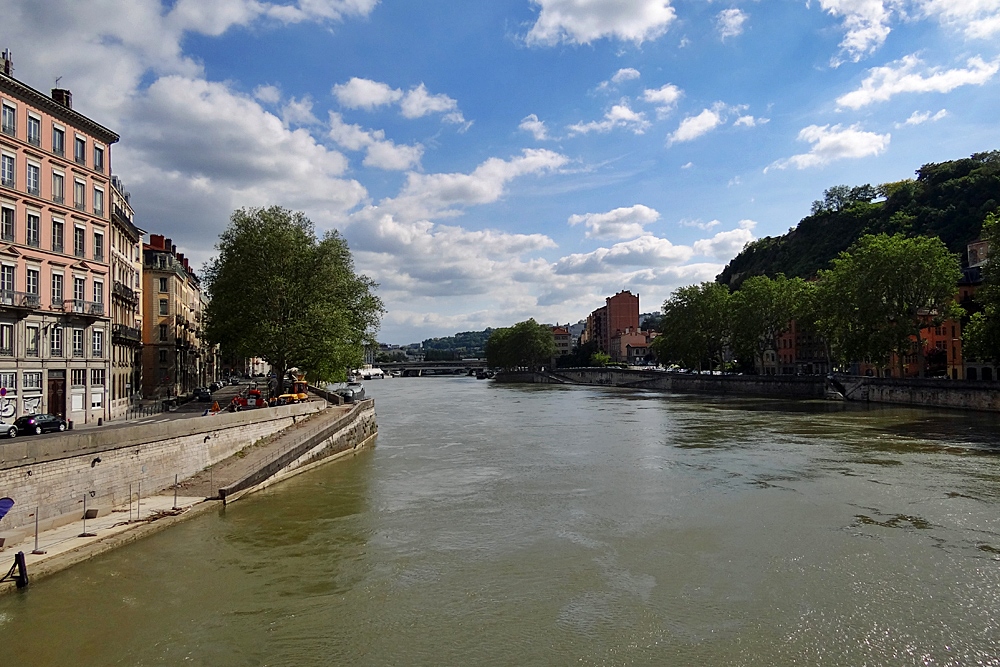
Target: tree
x,y
762,310
526,344
279,293
695,326
600,359
982,333
882,292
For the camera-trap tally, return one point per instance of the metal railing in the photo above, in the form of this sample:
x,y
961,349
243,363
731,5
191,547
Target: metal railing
x,y
88,307
15,299
129,334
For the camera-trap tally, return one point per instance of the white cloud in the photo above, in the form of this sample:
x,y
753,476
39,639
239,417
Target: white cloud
x,y
729,22
584,21
921,117
665,98
978,19
441,195
693,127
645,251
750,121
380,152
620,116
834,143
530,123
267,94
620,223
418,103
625,74
901,76
298,112
365,94
687,165
866,23
699,224
726,245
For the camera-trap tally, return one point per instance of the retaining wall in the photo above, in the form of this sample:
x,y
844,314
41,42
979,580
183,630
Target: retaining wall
x,y
54,473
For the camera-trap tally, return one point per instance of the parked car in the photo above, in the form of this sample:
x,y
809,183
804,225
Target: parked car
x,y
39,423
8,430
202,394
214,387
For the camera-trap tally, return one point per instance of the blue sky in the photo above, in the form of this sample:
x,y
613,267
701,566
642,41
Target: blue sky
x,y
493,161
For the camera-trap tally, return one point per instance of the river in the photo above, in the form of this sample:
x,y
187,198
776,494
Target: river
x,y
544,525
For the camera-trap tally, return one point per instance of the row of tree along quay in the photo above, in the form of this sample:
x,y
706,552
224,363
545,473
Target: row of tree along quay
x,y
280,293
870,306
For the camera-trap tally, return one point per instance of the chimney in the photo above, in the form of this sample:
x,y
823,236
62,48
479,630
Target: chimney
x,y
8,63
156,241
63,97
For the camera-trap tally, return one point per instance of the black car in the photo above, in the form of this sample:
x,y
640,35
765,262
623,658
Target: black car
x,y
39,423
203,394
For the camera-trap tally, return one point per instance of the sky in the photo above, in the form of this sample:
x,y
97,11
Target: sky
x,y
497,160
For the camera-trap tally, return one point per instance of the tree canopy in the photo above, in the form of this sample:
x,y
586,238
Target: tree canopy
x,y
982,334
526,344
761,312
695,326
279,293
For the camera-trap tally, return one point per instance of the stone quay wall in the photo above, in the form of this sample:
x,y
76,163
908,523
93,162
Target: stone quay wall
x,y
331,439
922,392
785,386
53,474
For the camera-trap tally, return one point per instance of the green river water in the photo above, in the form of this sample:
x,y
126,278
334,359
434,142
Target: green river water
x,y
543,525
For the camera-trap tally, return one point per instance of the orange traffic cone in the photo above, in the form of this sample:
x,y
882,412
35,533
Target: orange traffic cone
x,y
215,406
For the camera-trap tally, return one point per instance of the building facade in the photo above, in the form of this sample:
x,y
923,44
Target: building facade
x,y
55,167
171,333
619,313
125,388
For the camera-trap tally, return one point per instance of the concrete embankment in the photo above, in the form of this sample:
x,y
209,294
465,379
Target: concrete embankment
x,y
220,457
923,392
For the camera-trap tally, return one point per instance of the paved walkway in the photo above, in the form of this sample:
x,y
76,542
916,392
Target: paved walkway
x,y
67,544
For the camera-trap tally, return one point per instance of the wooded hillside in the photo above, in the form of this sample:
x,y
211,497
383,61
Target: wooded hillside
x,y
948,200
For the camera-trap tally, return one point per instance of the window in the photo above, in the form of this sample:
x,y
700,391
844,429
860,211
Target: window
x,y
163,332
77,342
8,121
79,293
98,243
7,171
55,341
58,140
80,241
33,179
163,307
98,201
80,195
58,230
31,344
163,281
57,290
8,381
7,224
97,341
98,291
97,377
98,158
7,281
32,380
6,340
58,188
79,378
34,130
80,150
31,286
31,237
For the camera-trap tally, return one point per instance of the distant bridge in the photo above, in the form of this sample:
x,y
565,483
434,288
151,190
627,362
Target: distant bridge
x,y
422,368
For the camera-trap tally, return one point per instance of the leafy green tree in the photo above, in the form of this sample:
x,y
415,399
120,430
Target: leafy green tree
x,y
883,292
279,293
526,344
762,311
386,357
982,333
600,359
695,326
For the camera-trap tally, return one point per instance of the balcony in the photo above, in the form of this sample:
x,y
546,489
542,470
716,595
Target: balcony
x,y
8,128
89,308
19,300
35,140
126,335
125,293
57,199
80,252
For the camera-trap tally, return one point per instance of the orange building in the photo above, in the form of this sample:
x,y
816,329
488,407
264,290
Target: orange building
x,y
620,313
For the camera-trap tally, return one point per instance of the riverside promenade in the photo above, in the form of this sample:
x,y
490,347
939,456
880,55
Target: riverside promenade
x,y
309,441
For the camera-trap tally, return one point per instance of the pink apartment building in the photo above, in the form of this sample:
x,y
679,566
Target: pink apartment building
x,y
55,196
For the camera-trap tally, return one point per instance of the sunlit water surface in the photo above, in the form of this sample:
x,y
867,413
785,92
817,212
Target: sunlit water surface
x,y
523,525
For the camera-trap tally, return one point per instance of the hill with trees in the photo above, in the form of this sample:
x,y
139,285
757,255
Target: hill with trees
x,y
948,200
466,344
